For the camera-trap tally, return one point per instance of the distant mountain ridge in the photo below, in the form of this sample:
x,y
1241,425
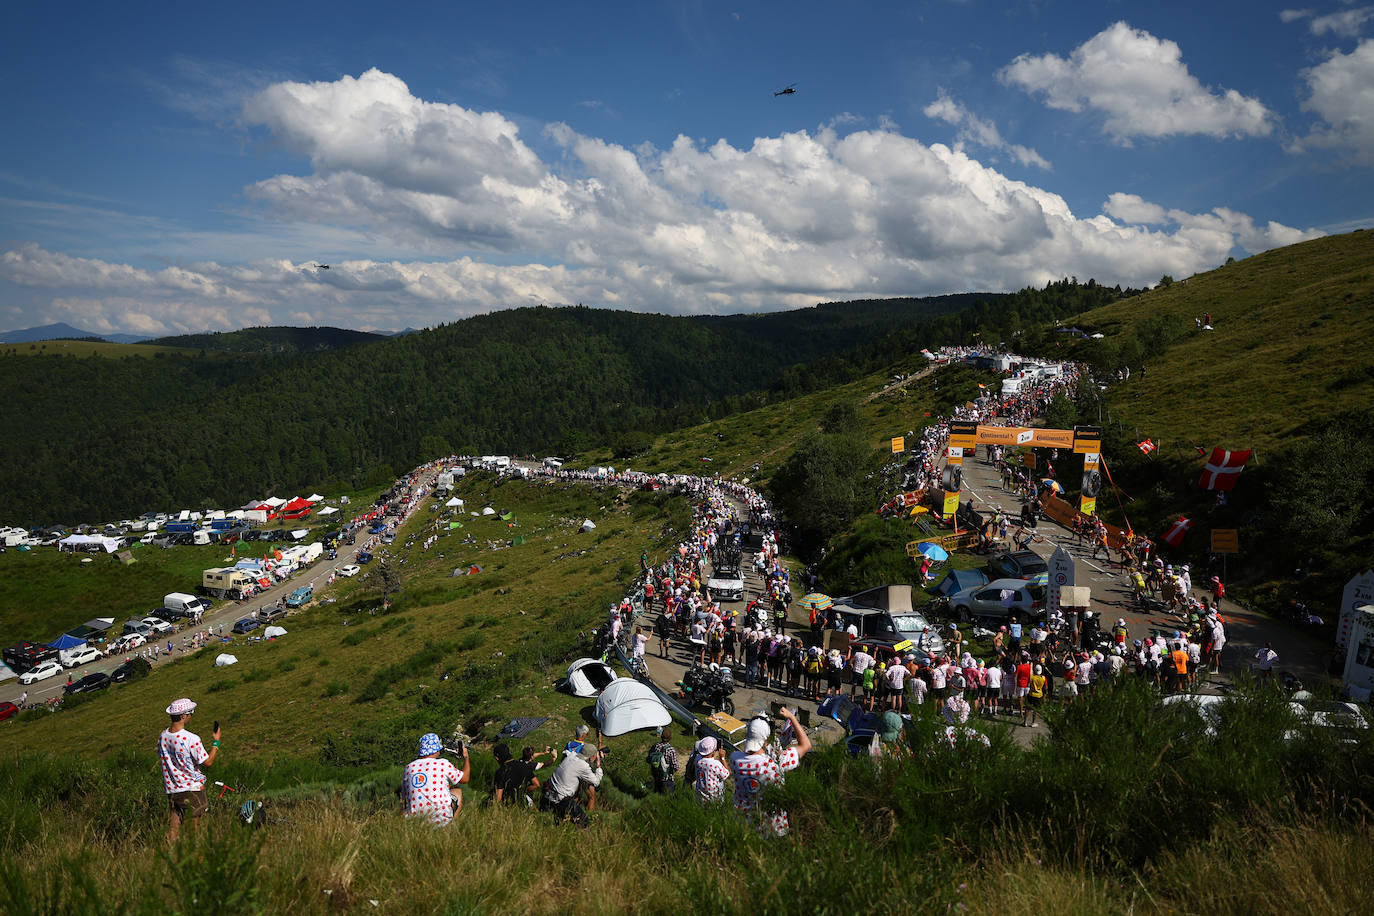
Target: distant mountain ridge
x,y
63,331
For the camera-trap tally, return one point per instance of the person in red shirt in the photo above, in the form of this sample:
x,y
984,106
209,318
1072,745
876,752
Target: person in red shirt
x,y
1023,676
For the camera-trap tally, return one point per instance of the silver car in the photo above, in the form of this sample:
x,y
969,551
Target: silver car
x,y
986,601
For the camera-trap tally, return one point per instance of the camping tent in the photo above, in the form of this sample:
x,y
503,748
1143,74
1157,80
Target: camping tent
x,y
66,641
273,632
5,672
224,659
488,511
587,677
626,705
956,580
588,525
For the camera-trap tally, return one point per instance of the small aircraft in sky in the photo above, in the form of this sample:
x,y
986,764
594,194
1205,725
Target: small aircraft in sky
x,y
791,89
322,266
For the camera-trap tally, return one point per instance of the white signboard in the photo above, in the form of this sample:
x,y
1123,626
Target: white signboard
x,y
1061,576
1358,591
1359,656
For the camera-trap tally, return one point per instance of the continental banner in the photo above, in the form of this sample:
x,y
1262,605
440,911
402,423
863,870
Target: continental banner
x,y
1023,435
963,434
1087,440
1092,484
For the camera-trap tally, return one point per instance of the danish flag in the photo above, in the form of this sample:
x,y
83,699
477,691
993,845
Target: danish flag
x,y
1174,537
1147,446
1223,468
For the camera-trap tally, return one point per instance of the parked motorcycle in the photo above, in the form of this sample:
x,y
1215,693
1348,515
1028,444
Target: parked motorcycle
x,y
709,687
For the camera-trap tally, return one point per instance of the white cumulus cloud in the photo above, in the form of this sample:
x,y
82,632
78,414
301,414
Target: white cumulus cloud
x,y
785,221
1142,87
1345,23
1341,93
980,131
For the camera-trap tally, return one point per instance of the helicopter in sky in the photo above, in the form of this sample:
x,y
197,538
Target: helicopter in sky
x,y
790,89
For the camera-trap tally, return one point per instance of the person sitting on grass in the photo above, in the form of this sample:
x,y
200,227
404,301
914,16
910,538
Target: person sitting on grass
x,y
428,783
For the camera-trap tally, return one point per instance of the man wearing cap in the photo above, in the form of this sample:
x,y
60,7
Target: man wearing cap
x,y
181,754
426,784
711,771
560,795
753,769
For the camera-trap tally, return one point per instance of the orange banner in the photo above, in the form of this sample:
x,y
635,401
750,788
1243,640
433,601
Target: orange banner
x,y
1052,438
999,435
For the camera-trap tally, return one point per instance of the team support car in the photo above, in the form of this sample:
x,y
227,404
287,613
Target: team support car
x,y
98,680
78,657
726,584
42,671
1018,564
998,600
246,625
350,570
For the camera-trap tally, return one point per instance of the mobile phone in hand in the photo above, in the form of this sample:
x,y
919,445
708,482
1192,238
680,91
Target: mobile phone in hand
x,y
217,725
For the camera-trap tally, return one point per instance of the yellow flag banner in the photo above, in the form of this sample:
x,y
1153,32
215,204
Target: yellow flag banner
x,y
951,503
898,444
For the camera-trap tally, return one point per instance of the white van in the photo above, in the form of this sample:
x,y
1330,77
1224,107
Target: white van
x,y
180,601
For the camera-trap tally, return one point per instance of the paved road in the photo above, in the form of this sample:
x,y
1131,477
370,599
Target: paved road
x,y
1299,651
224,613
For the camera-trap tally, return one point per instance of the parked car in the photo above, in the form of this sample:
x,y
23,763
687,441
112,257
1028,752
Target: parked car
x,y
41,672
300,596
169,614
885,612
126,642
1017,564
8,710
82,656
986,601
98,680
364,557
246,625
131,669
350,570
137,627
270,612
159,627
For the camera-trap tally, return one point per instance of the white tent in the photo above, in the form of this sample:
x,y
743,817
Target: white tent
x,y
274,502
224,659
588,525
488,511
5,672
314,498
271,632
455,502
327,510
299,533
626,705
587,677
110,545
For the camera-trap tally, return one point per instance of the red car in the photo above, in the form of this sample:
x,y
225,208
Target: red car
x,y
7,710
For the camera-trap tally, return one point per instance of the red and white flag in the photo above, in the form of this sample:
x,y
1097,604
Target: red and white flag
x,y
1174,536
1147,446
1223,468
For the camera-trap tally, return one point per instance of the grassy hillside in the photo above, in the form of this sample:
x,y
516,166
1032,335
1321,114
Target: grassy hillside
x,y
1291,345
83,348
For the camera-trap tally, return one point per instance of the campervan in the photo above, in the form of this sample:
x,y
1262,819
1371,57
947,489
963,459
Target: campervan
x,y
226,582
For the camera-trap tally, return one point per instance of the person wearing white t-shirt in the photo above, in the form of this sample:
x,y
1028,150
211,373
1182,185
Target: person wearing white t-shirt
x,y
859,662
993,691
896,685
1266,658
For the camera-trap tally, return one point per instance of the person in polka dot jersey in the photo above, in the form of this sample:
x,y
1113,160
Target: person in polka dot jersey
x,y
427,784
754,768
181,753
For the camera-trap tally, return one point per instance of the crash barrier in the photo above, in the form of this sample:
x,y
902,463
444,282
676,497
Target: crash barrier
x,y
1066,515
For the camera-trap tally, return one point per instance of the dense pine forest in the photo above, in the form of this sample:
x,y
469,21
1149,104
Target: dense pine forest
x,y
94,438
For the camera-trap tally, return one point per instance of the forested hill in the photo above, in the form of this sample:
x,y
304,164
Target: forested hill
x,y
271,340
98,438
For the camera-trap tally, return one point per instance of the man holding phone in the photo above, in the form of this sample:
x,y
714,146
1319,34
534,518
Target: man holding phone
x,y
427,785
181,753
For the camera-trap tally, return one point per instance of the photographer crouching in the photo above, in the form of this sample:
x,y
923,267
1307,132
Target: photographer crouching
x,y
560,795
428,784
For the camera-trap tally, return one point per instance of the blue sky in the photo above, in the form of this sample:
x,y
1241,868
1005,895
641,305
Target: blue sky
x,y
168,167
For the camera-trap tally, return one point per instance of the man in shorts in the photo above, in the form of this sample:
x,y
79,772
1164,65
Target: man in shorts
x,y
181,754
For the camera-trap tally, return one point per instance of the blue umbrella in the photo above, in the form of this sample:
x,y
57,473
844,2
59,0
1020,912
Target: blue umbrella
x,y
934,551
